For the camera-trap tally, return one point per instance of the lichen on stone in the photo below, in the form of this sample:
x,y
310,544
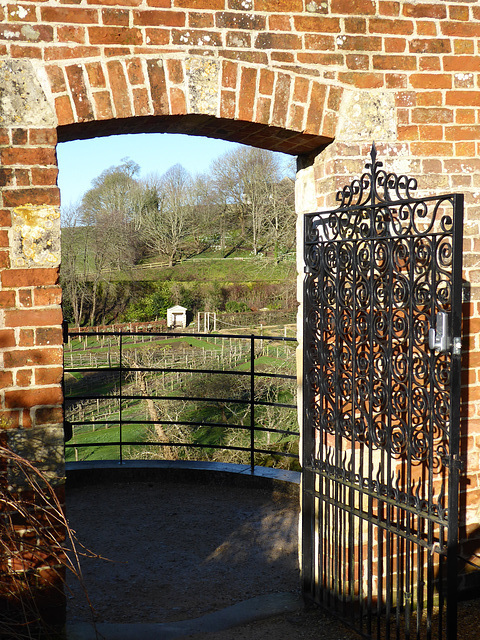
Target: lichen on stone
x,y
36,236
368,115
22,99
317,7
203,81
30,33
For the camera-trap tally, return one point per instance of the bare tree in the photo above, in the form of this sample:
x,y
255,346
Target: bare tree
x,y
74,267
247,181
208,223
280,227
108,213
166,215
110,207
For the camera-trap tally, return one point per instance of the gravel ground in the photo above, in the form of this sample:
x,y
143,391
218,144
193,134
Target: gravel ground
x,y
179,551
303,625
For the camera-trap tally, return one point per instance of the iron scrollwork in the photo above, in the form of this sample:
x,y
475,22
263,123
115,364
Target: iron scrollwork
x,y
381,204
380,407
379,269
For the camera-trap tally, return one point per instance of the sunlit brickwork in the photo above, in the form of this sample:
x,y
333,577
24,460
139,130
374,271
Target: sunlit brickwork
x,y
319,79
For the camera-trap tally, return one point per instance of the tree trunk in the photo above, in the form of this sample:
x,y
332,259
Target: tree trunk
x,y
94,304
171,258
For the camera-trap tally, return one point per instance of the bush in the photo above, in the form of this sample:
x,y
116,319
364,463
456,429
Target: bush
x,y
236,307
152,306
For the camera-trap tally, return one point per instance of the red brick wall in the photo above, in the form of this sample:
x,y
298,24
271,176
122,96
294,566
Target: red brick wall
x,y
30,334
289,75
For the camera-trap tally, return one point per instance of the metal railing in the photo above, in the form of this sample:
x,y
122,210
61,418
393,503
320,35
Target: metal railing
x,y
113,378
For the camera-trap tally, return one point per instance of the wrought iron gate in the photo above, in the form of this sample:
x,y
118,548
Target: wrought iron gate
x,y
381,407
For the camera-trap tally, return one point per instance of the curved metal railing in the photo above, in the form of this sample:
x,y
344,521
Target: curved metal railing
x,y
164,395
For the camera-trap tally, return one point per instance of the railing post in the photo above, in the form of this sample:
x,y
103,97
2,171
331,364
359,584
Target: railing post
x,y
120,365
252,402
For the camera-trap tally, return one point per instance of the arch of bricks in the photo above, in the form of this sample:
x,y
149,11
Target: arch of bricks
x,y
315,78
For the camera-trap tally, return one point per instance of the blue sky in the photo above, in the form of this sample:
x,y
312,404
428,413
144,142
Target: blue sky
x,y
81,161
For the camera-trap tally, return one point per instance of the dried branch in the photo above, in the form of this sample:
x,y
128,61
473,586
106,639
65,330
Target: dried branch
x,y
37,547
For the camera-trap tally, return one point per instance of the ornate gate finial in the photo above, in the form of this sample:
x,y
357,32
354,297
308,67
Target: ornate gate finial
x,y
373,165
376,186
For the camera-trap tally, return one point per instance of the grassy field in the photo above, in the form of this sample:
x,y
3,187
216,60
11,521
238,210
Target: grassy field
x,y
214,268
240,266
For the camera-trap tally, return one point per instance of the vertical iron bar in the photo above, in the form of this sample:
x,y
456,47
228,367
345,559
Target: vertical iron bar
x,y
455,392
120,416
431,463
319,451
420,574
360,596
431,451
370,534
355,548
252,403
400,576
327,544
318,447
345,560
357,521
387,480
430,578
408,459
309,560
335,551
441,581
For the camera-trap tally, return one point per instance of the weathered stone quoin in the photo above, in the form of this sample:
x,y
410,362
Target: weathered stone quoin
x,y
319,79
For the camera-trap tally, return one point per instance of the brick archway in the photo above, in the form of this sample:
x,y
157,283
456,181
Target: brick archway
x,y
287,112
236,101
288,75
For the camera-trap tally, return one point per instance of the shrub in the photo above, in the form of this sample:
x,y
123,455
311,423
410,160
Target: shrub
x,y
152,306
236,307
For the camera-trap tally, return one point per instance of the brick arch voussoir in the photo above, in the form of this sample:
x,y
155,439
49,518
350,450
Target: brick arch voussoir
x,y
247,103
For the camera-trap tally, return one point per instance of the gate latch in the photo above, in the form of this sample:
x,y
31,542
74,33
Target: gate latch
x,y
438,338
